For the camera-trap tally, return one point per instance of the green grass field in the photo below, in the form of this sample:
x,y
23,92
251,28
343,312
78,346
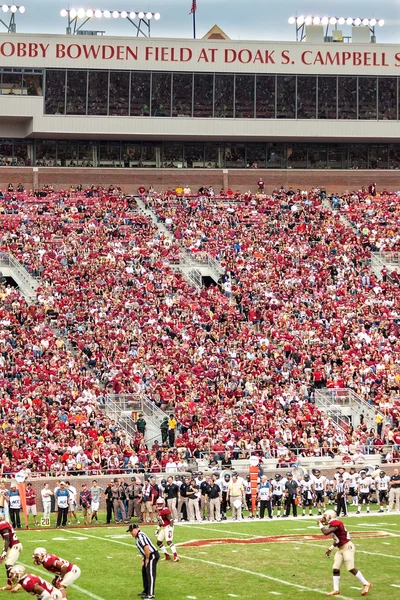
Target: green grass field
x,y
291,565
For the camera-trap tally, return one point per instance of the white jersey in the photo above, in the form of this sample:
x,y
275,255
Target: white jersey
x,y
247,488
353,480
72,494
346,475
364,485
319,483
382,483
306,488
278,487
224,485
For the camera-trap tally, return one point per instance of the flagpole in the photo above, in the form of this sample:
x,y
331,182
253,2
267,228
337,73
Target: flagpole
x,y
194,23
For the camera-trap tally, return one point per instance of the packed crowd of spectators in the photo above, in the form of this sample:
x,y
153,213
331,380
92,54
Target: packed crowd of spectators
x,y
237,365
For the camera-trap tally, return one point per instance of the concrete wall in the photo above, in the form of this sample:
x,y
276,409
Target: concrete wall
x,y
237,179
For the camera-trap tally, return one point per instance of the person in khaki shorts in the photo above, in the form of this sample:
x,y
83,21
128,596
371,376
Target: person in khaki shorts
x,y
331,525
214,497
236,494
394,491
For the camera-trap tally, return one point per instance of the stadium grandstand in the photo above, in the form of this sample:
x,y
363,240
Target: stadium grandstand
x,y
204,235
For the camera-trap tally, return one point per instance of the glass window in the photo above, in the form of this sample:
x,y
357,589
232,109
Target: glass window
x,y
317,156
244,96
296,156
182,98
110,154
46,153
347,97
223,101
358,156
67,154
306,97
394,156
6,153
378,156
286,97
256,156
387,98
119,94
265,96
327,97
337,156
12,84
131,155
161,95
32,85
22,153
140,94
55,92
203,95
150,155
275,155
367,95
98,93
214,155
76,92
87,156
235,156
194,155
172,155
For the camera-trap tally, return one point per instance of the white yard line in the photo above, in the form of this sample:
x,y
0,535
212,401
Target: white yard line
x,y
263,575
76,587
252,535
357,550
104,539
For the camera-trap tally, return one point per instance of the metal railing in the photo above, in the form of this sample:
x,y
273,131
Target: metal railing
x,y
347,397
188,268
27,280
342,421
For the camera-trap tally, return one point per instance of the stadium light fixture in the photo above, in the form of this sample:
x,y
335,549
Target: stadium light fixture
x,y
11,10
292,20
325,20
75,14
302,21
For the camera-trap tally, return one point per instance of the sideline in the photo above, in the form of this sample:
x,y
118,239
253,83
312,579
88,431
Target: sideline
x,y
240,570
76,587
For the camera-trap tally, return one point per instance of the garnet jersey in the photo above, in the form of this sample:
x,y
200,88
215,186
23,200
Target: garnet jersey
x,y
50,561
7,528
29,582
164,517
341,536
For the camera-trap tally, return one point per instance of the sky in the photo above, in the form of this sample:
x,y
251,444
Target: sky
x,y
240,19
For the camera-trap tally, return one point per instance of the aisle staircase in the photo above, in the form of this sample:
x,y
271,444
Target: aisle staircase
x,y
346,407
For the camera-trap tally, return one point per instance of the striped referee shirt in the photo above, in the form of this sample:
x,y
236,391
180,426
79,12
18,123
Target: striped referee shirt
x,y
143,540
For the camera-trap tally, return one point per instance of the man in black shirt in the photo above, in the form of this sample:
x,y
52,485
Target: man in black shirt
x,y
182,500
214,497
109,503
204,489
394,494
291,486
171,495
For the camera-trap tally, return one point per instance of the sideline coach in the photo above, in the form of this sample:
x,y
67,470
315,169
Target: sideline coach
x,y
150,557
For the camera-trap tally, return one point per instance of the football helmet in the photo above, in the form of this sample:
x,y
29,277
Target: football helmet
x,y
160,502
317,472
306,477
328,516
278,476
382,474
227,477
363,473
38,555
235,474
248,477
17,573
163,482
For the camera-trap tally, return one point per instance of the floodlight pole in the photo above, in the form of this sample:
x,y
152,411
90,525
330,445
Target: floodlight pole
x,y
74,22
12,25
142,22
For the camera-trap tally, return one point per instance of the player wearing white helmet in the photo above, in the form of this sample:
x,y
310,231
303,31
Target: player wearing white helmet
x,y
34,585
65,573
331,525
165,530
382,487
11,550
364,491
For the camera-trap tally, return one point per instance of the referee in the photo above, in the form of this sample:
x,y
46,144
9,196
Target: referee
x,y
150,557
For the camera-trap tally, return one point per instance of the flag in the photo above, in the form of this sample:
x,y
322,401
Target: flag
x,y
194,7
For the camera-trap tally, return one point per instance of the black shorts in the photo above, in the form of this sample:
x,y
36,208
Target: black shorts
x,y
319,496
383,495
352,492
363,499
306,501
277,501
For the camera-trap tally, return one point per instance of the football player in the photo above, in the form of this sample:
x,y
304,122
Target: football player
x,y
224,488
11,550
319,485
247,490
65,572
278,485
364,491
34,585
331,525
165,530
382,486
353,485
306,489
